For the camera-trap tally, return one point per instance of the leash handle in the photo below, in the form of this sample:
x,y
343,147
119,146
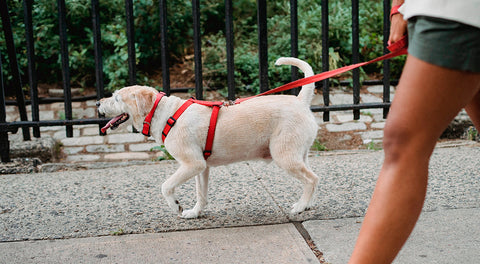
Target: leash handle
x,y
399,45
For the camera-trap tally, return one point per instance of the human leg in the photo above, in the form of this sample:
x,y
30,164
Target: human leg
x,y
427,99
473,110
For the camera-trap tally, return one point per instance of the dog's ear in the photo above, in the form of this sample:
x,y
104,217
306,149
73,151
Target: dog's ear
x,y
145,100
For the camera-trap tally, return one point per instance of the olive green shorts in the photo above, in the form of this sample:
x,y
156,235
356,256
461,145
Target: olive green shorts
x,y
444,43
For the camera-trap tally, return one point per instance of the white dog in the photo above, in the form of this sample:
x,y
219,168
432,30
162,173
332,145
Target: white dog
x,y
273,127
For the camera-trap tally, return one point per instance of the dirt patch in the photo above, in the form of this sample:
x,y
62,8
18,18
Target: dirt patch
x,y
340,140
182,75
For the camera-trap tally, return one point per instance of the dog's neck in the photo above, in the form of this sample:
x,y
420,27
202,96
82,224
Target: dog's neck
x,y
165,109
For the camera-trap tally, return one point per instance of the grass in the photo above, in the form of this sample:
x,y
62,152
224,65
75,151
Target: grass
x,y
374,146
367,113
319,146
165,151
119,232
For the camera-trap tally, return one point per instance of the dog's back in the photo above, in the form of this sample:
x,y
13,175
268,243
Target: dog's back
x,y
246,131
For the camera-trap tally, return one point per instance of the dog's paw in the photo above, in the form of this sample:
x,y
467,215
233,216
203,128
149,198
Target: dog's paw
x,y
298,208
189,214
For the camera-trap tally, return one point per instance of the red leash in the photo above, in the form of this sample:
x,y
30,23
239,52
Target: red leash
x,y
396,49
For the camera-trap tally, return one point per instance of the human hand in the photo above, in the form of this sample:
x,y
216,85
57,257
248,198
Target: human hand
x,y
398,28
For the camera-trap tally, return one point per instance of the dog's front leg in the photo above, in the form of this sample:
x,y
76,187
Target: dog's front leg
x,y
185,172
202,189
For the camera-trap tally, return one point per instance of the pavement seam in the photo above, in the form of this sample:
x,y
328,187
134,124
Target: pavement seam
x,y
308,239
298,225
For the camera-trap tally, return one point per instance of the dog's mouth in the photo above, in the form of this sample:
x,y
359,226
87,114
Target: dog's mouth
x,y
115,122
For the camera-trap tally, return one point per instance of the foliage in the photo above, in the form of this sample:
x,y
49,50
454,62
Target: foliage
x,y
472,134
372,145
162,148
319,146
180,32
80,39
309,27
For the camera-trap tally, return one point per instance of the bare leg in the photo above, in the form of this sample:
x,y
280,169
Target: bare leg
x,y
428,98
473,110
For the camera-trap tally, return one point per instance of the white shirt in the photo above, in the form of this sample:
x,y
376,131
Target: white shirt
x,y
463,11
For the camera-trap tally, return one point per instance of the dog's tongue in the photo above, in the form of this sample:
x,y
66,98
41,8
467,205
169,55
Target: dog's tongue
x,y
110,123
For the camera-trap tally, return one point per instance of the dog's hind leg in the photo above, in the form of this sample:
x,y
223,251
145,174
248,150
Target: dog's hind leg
x,y
202,189
310,181
312,200
185,172
295,165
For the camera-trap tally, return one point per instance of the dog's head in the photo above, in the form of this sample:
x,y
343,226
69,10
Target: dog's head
x,y
133,101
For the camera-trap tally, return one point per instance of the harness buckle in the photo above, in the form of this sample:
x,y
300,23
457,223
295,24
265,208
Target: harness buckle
x,y
171,121
207,153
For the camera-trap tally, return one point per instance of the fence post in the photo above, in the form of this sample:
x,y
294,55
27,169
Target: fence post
x,y
386,63
32,72
97,48
4,144
294,40
67,92
262,44
197,41
325,59
132,71
230,53
12,57
164,47
355,58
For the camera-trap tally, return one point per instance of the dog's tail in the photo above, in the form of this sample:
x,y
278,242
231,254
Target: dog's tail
x,y
308,90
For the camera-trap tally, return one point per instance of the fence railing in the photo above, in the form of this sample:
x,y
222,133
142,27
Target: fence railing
x,y
35,123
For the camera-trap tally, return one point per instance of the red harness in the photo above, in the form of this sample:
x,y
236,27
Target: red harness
x,y
398,48
173,119
211,128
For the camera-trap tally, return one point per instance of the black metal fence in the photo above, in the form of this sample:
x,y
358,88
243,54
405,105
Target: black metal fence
x,y
35,123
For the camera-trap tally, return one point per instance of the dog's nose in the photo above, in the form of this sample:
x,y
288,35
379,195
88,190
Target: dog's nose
x,y
97,104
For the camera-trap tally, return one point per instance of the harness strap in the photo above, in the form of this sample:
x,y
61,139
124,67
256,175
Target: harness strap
x,y
211,129
211,132
207,103
148,118
173,119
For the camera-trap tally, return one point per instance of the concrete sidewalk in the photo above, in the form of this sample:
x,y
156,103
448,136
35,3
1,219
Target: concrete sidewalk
x,y
80,213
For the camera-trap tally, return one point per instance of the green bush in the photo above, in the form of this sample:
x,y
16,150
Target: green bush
x,y
180,32
80,39
310,48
